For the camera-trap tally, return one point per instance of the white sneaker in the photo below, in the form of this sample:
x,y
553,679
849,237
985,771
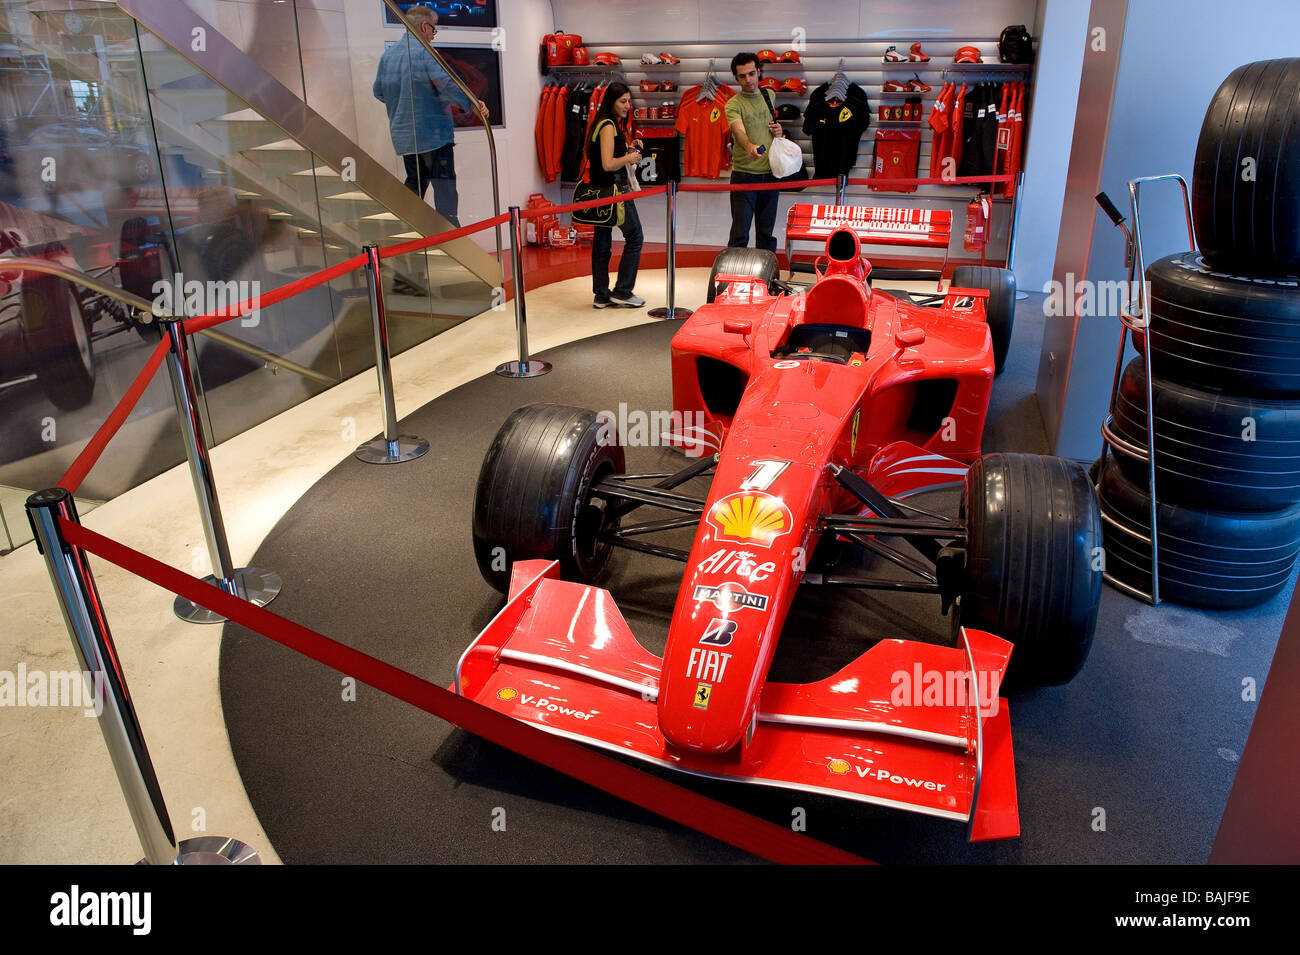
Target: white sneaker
x,y
629,301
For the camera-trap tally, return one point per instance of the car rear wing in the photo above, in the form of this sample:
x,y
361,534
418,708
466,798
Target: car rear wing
x,y
873,225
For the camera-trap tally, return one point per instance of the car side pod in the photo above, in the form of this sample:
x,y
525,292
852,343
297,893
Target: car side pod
x,y
906,725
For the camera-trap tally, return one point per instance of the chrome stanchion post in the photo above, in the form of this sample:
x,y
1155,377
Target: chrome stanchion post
x,y
841,186
672,311
524,367
83,613
390,447
1011,239
249,583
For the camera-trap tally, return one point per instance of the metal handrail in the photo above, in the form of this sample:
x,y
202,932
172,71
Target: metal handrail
x,y
469,94
154,310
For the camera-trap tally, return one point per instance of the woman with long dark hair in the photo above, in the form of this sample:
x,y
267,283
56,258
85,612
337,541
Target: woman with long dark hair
x,y
609,155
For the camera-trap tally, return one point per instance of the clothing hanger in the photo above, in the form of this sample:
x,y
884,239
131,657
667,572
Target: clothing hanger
x,y
709,88
839,86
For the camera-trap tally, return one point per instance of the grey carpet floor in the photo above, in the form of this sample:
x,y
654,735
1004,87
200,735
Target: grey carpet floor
x,y
1130,763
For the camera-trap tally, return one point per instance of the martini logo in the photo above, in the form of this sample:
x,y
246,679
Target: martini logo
x,y
507,693
702,693
719,632
750,517
730,597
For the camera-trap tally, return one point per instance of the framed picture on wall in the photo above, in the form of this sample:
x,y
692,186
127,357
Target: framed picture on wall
x,y
452,13
480,69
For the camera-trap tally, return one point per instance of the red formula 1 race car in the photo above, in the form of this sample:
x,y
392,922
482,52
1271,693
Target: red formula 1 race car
x,y
827,406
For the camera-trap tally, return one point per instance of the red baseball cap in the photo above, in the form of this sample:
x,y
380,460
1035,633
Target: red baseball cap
x,y
790,56
795,85
967,54
608,59
767,56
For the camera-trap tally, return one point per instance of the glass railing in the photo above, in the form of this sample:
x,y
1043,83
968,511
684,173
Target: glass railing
x,y
120,157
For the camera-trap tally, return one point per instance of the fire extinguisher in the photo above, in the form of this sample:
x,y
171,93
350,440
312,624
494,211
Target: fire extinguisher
x,y
977,222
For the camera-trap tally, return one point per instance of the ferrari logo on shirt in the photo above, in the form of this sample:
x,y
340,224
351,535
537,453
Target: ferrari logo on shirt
x,y
846,114
702,692
713,117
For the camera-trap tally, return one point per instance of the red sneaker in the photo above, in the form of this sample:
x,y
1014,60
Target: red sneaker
x,y
917,55
914,85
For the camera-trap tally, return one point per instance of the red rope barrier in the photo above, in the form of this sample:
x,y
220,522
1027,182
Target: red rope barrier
x,y
200,322
415,245
747,186
593,203
72,479
740,829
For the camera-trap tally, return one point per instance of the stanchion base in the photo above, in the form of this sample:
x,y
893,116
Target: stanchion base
x,y
407,447
215,850
663,312
524,369
256,586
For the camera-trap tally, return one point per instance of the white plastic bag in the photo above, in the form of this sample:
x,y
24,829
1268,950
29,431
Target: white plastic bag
x,y
785,156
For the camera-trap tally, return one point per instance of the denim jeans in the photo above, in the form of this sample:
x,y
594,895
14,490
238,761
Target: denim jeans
x,y
758,206
438,167
601,246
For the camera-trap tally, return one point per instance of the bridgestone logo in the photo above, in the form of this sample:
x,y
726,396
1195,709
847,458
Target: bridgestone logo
x,y
730,596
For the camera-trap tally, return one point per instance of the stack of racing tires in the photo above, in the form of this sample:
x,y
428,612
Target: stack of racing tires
x,y
1225,356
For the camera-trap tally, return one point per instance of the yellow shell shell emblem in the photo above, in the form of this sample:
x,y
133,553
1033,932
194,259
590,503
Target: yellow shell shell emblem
x,y
838,766
507,693
750,517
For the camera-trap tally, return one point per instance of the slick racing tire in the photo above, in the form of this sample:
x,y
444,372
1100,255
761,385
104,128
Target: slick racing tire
x,y
1246,178
1033,533
1208,558
533,499
1220,331
1212,450
759,263
1000,307
57,341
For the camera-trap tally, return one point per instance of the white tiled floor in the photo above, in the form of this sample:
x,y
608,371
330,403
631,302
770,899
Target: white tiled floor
x,y
59,799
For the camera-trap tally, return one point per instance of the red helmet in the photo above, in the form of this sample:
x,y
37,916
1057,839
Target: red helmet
x,y
967,54
581,57
790,56
768,56
608,59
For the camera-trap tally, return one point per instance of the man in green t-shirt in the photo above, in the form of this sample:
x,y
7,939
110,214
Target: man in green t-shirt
x,y
752,128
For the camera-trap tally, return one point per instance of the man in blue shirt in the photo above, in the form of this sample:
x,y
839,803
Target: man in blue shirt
x,y
416,92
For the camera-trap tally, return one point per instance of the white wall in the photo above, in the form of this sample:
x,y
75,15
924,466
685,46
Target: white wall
x,y
1062,28
1170,66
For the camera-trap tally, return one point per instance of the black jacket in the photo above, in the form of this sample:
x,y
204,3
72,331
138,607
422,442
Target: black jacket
x,y
836,130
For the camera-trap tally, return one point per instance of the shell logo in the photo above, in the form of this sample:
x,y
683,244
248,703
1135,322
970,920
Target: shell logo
x,y
750,517
838,766
507,693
